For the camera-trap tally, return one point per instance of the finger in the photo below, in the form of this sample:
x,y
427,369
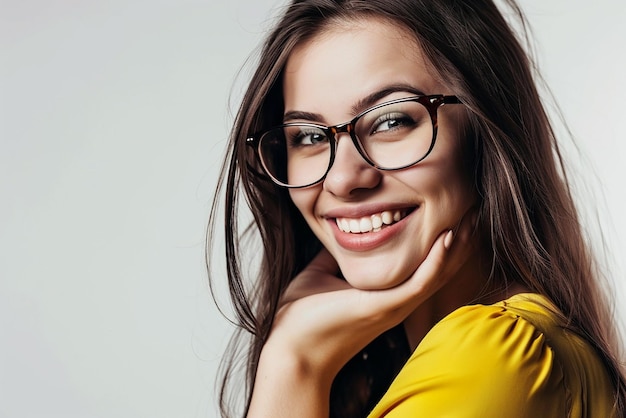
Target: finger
x,y
448,253
423,283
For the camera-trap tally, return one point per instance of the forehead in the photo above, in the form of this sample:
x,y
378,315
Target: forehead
x,y
349,60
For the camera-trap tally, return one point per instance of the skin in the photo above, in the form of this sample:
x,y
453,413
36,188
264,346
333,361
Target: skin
x,y
438,190
427,268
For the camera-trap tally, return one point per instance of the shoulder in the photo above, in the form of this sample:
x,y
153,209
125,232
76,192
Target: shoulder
x,y
505,359
495,356
521,331
488,328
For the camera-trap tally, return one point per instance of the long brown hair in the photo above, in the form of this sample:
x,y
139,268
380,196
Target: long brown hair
x,y
526,209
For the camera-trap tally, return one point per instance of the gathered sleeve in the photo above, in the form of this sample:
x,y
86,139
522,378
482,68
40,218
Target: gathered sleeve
x,y
479,361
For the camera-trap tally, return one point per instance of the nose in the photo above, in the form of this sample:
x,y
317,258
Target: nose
x,y
350,174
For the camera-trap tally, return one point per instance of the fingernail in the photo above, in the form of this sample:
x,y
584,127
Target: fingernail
x,y
447,241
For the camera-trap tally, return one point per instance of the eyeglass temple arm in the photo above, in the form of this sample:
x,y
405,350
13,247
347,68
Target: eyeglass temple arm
x,y
451,100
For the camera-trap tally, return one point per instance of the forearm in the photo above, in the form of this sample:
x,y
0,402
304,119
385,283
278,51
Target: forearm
x,y
287,387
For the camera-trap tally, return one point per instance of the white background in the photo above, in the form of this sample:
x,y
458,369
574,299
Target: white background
x,y
113,119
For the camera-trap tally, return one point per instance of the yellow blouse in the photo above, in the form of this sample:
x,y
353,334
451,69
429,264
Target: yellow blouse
x,y
512,359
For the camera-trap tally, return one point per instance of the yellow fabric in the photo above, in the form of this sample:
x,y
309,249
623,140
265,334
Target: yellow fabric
x,y
512,359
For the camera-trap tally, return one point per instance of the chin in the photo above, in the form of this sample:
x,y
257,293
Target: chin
x,y
376,278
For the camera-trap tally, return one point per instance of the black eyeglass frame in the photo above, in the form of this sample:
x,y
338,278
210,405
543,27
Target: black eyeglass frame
x,y
431,102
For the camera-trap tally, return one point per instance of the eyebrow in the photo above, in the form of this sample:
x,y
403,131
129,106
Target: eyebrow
x,y
361,105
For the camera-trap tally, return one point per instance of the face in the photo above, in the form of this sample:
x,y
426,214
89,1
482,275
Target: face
x,y
329,80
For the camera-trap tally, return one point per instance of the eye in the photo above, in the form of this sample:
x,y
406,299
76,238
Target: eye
x,y
391,121
304,136
312,138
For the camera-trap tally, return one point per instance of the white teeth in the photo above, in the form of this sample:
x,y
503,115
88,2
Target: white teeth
x,y
373,223
365,224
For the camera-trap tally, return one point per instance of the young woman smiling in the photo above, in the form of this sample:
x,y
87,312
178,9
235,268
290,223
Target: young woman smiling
x,y
421,252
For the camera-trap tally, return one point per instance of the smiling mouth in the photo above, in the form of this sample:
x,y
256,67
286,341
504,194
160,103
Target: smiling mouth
x,y
372,223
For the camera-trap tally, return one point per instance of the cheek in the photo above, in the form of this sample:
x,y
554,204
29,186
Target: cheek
x,y
448,191
457,193
305,199
456,162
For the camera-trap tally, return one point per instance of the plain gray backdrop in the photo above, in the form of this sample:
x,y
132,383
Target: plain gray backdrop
x,y
113,120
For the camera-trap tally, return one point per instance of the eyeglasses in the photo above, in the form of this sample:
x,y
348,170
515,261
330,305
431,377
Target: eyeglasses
x,y
389,136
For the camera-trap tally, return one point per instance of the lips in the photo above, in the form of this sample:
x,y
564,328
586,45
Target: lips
x,y
371,223
368,228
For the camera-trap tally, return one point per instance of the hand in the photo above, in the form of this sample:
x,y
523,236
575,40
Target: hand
x,y
323,321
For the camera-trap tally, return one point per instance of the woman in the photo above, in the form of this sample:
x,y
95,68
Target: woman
x,y
421,252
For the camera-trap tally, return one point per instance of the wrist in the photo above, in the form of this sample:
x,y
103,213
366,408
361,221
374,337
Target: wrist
x,y
288,385
283,362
